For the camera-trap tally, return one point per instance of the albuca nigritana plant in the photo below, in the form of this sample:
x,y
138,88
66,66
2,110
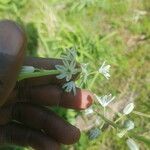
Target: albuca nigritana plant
x,y
122,125
65,71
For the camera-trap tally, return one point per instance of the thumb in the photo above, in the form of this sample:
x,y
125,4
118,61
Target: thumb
x,y
12,49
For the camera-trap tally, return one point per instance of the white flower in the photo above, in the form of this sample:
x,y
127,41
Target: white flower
x,y
67,70
89,111
97,122
104,69
132,144
128,109
129,124
70,86
105,100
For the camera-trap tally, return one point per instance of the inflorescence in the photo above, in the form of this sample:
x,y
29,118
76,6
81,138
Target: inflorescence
x,y
67,71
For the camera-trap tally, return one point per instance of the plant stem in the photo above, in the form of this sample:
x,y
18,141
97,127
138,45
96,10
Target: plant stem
x,y
108,121
94,79
92,72
37,74
102,124
122,116
104,111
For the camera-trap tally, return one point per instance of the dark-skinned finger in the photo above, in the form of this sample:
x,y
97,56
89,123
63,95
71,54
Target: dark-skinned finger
x,y
12,51
41,118
18,135
52,95
43,63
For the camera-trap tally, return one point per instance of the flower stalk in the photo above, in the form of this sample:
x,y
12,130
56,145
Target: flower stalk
x,y
94,79
108,121
25,75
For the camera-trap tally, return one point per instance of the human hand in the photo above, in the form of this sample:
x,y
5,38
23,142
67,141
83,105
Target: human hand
x,y
24,119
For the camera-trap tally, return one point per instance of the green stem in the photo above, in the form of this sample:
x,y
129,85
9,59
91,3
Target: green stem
x,y
37,74
104,111
108,121
122,116
102,124
94,79
92,73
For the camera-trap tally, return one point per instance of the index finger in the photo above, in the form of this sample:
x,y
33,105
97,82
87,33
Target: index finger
x,y
52,96
43,63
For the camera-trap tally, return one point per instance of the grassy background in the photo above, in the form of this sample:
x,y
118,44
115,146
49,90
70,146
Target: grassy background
x,y
117,31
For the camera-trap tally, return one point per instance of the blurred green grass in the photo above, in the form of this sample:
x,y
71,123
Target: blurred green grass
x,y
117,31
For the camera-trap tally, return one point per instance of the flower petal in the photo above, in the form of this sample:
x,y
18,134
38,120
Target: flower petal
x,y
60,76
128,109
60,68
